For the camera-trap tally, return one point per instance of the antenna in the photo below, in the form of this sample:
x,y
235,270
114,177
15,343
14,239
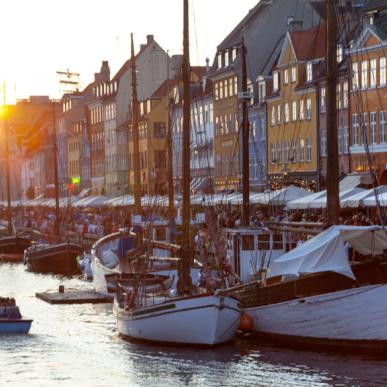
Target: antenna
x,y
68,81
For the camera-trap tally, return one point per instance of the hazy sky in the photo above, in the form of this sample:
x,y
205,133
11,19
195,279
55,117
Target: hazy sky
x,y
39,37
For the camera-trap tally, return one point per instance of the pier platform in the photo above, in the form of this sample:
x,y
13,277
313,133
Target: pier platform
x,y
73,296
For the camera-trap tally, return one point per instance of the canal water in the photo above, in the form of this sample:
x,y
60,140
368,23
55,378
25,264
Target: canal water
x,y
77,345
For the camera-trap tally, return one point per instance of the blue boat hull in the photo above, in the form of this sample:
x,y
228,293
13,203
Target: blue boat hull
x,y
15,326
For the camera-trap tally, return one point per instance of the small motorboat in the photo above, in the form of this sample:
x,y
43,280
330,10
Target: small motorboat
x,y
11,320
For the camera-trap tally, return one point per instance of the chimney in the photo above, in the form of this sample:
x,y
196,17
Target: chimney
x,y
207,65
149,39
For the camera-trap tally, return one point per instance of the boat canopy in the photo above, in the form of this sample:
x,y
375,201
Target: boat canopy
x,y
326,251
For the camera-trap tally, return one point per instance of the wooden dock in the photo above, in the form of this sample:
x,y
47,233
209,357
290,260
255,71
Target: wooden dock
x,y
73,296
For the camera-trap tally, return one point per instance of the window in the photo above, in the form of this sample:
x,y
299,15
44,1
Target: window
x,y
364,74
373,127
234,54
355,76
302,110
382,126
216,91
220,90
323,143
294,74
219,61
373,73
345,95
272,152
308,150
272,117
338,96
279,114
302,147
345,140
382,71
235,85
286,77
275,82
364,123
339,141
355,129
230,87
294,111
286,146
159,129
263,129
226,88
226,59
323,100
339,53
309,72
280,152
308,109
286,112
261,91
294,151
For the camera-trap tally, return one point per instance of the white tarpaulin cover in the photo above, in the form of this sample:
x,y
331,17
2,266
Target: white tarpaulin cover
x,y
354,201
326,251
303,203
321,202
371,201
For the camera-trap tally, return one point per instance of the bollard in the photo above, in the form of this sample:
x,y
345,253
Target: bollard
x,y
61,289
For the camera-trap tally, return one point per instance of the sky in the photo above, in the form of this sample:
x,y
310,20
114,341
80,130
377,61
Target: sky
x,y
40,37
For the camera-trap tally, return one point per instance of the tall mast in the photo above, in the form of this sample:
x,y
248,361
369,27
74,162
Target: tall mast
x,y
56,180
245,142
136,151
8,178
171,207
333,203
184,284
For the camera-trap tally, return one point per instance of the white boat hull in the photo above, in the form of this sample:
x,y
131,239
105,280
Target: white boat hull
x,y
352,317
198,320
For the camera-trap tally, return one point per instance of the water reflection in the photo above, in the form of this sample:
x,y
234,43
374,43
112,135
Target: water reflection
x,y
78,345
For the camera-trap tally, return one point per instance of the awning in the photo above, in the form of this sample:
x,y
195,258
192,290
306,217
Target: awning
x,y
358,199
321,202
354,180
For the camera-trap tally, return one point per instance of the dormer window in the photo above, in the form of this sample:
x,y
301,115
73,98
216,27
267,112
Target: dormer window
x,y
286,76
309,72
219,61
261,91
339,53
226,62
294,74
275,82
234,54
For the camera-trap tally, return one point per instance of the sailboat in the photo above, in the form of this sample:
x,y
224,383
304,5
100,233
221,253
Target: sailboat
x,y
316,294
10,244
190,317
57,258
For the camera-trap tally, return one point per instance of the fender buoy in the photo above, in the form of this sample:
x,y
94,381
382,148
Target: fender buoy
x,y
245,323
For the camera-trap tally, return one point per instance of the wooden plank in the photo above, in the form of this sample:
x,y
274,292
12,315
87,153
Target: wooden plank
x,y
74,297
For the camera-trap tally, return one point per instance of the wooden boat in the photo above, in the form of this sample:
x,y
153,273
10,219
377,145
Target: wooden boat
x,y
14,244
11,321
205,320
314,295
60,258
190,318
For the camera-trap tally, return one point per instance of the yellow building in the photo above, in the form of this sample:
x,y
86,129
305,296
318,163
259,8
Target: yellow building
x,y
292,113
